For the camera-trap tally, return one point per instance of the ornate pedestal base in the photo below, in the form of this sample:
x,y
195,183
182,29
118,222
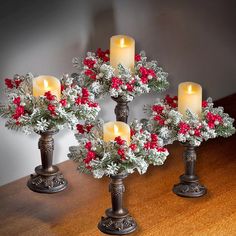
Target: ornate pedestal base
x,y
48,178
189,185
117,220
47,182
190,188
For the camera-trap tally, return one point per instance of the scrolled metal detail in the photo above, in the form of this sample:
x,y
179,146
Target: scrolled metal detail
x,y
116,190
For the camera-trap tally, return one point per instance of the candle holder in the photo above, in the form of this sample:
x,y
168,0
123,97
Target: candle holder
x,y
121,109
189,185
117,220
48,178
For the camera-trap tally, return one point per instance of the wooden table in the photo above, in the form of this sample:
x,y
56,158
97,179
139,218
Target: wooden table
x,y
77,210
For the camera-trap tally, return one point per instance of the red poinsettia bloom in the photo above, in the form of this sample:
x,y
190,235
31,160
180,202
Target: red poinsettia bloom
x,y
20,110
119,140
204,104
157,108
63,102
183,128
91,74
133,146
52,109
104,55
49,96
88,146
17,101
9,83
137,57
89,63
116,82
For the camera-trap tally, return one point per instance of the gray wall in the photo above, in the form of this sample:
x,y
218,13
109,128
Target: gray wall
x,y
193,41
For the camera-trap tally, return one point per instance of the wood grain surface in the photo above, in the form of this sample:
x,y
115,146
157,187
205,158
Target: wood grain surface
x,y
149,198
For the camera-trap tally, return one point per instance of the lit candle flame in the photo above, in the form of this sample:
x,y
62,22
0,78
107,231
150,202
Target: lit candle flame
x,y
190,89
116,129
45,83
122,42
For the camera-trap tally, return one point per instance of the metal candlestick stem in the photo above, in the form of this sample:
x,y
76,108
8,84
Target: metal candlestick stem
x,y
189,185
121,109
47,179
117,220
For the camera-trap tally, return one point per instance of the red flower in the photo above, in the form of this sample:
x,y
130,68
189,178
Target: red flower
x,y
133,146
88,146
80,128
104,55
17,101
52,108
91,74
18,82
159,119
9,83
63,102
183,128
49,96
157,108
137,57
116,82
90,156
89,63
204,104
119,140
85,92
20,110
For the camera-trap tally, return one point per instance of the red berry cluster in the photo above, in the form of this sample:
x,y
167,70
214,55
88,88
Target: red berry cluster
x,y
89,63
84,128
12,83
19,111
213,119
104,55
146,74
137,57
116,82
172,102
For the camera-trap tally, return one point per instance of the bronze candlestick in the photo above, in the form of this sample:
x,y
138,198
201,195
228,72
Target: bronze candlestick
x,y
189,185
117,220
121,109
47,179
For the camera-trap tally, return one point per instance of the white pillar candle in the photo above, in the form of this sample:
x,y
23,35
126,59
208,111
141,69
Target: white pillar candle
x,y
111,130
45,83
190,97
122,51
